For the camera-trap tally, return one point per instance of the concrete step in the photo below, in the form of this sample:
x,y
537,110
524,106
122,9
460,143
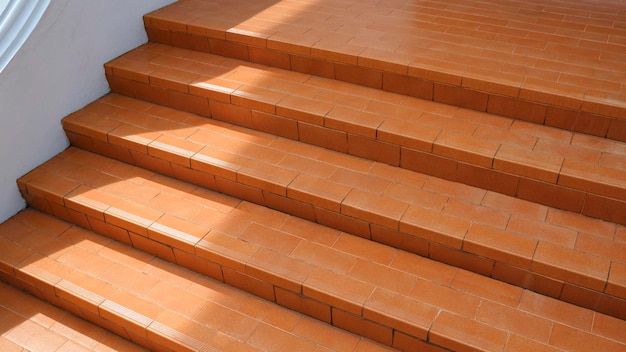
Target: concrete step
x,y
570,171
376,291
560,65
154,303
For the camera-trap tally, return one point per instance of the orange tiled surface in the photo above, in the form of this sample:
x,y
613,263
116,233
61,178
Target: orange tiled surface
x,y
373,290
545,249
29,324
145,299
571,171
414,125
561,63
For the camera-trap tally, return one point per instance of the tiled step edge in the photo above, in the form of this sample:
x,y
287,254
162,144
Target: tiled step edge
x,y
30,324
557,253
375,291
569,171
380,70
156,304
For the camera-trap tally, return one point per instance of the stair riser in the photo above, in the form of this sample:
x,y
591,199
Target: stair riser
x,y
546,108
506,269
530,183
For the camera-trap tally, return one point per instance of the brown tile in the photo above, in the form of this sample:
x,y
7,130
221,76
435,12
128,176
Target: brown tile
x,y
488,179
465,148
271,338
400,312
319,192
445,298
616,284
459,96
551,195
605,208
362,327
487,288
457,332
593,178
434,226
557,310
303,304
325,257
571,266
500,245
566,337
337,290
377,210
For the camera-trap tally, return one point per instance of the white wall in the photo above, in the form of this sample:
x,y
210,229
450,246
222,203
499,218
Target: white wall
x,y
57,71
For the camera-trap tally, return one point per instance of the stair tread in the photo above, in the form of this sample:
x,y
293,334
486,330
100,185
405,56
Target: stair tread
x,y
405,209
532,55
156,300
418,297
23,316
481,149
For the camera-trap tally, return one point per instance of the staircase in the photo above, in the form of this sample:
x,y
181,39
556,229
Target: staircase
x,y
341,175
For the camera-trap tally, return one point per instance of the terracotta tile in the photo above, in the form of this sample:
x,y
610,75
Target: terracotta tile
x,y
303,109
267,337
325,335
424,268
465,148
434,226
515,205
609,327
551,195
318,192
175,331
353,121
311,231
303,304
500,245
445,298
459,96
359,75
429,200
576,340
270,313
557,310
362,327
518,343
487,288
337,290
408,134
616,284
383,276
457,332
544,232
461,259
486,178
382,211
454,190
592,178
226,250
604,208
35,337
361,247
324,257
477,213
572,266
322,137
407,85
401,312
279,269
536,165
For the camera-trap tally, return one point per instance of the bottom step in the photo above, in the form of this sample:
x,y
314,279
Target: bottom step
x,y
29,324
151,302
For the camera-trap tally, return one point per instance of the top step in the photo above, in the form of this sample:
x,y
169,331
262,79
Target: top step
x,y
560,65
